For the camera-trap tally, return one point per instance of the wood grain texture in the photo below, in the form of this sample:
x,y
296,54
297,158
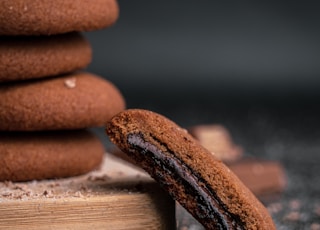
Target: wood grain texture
x,y
123,199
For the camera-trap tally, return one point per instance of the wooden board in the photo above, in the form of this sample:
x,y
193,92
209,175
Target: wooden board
x,y
117,196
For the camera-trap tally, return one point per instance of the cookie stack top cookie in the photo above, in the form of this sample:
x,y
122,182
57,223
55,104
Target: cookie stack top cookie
x,y
47,17
42,52
47,100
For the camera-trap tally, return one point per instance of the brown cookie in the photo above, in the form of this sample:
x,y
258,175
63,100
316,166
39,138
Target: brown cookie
x,y
42,155
46,17
199,181
41,56
73,101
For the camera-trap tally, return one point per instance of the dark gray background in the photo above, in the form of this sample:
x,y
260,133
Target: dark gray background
x,y
211,49
250,66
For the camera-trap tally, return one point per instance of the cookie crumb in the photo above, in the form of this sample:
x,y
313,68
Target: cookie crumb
x,y
83,188
275,208
293,216
70,83
77,194
99,178
7,183
6,194
48,194
53,184
315,226
295,204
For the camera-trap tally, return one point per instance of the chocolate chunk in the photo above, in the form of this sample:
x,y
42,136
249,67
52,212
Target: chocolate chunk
x,y
217,139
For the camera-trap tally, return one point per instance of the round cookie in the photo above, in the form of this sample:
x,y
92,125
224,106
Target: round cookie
x,y
41,56
72,101
45,155
45,17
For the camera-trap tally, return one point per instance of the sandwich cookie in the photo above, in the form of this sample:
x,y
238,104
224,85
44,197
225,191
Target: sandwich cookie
x,y
72,101
194,177
46,17
41,56
47,155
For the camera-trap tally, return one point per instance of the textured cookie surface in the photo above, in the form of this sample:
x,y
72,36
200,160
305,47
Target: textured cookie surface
x,y
45,17
41,56
189,172
43,155
68,102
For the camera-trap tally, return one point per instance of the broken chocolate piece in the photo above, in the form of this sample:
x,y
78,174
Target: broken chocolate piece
x,y
217,139
262,177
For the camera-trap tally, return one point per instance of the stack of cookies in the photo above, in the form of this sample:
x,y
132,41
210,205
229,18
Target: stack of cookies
x,y
47,101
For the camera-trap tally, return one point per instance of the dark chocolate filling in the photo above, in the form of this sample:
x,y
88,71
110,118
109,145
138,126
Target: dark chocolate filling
x,y
166,167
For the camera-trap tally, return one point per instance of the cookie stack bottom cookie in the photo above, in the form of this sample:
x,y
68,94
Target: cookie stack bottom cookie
x,y
46,103
54,154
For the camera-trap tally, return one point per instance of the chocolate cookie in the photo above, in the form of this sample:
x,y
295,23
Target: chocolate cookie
x,y
46,17
41,56
44,155
73,101
190,173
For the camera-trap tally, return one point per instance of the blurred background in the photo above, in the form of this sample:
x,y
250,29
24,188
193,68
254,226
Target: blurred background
x,y
212,51
250,66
